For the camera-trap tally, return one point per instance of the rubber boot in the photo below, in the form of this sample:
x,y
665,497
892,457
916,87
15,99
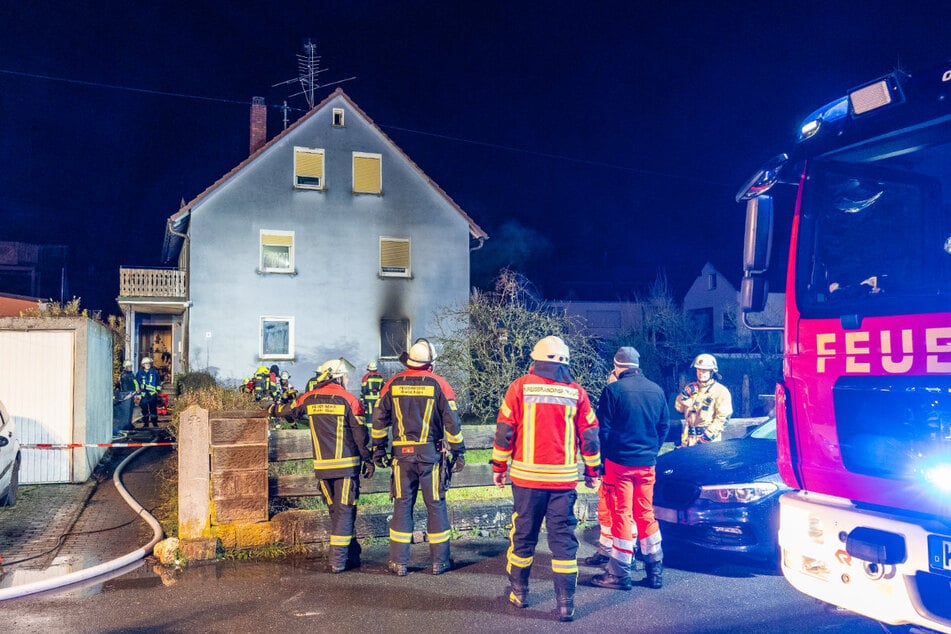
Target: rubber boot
x,y
565,594
518,578
654,566
440,554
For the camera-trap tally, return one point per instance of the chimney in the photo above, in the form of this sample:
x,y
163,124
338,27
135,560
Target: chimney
x,y
258,123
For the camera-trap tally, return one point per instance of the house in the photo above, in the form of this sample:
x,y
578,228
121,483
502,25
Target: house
x,y
33,270
327,241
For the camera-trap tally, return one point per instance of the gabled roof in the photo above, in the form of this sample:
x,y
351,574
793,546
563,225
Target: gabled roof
x,y
178,222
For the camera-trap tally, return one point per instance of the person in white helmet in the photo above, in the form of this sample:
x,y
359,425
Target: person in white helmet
x,y
418,407
340,454
148,384
370,386
705,403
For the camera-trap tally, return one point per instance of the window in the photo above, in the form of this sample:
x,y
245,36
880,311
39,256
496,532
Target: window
x,y
711,281
277,251
367,173
338,118
308,168
394,337
702,319
277,338
394,257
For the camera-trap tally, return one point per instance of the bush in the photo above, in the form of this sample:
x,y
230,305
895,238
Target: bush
x,y
194,381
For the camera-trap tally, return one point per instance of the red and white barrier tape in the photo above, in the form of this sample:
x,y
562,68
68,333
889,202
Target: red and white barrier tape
x,y
77,445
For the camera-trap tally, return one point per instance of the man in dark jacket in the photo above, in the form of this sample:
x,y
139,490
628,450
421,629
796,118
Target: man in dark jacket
x,y
632,414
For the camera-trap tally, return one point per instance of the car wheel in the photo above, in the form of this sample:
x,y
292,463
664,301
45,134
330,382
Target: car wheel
x,y
11,497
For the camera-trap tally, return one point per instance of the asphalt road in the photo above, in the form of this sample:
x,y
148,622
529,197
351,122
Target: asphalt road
x,y
701,594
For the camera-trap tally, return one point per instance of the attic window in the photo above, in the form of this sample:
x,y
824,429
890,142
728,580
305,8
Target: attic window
x,y
277,251
712,282
308,168
394,257
367,173
338,118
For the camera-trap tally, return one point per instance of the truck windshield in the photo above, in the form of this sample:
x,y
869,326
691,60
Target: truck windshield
x,y
875,228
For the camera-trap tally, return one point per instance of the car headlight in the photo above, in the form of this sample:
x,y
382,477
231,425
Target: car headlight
x,y
737,493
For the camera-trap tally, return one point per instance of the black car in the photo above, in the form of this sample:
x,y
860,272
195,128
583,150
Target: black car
x,y
722,496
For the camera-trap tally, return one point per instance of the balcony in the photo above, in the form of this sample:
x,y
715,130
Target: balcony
x,y
152,283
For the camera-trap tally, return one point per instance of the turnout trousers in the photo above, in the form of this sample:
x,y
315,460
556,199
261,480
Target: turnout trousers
x,y
629,492
557,508
410,477
605,538
341,496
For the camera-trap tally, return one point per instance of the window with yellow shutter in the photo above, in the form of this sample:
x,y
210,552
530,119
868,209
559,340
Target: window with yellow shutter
x,y
367,173
394,257
277,251
308,168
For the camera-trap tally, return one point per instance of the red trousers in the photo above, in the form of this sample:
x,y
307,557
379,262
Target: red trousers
x,y
629,493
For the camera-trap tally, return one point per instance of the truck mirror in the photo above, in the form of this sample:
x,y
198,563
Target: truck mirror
x,y
758,236
753,292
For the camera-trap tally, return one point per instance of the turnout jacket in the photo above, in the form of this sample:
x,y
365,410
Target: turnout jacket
x,y
710,406
420,406
540,427
336,429
633,420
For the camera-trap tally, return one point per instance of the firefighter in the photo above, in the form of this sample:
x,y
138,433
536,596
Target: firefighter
x,y
148,384
633,423
705,403
420,407
340,455
544,420
370,386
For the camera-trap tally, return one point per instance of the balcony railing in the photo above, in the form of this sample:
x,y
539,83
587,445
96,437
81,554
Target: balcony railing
x,y
151,282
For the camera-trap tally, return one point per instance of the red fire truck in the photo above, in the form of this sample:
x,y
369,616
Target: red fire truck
x,y
864,406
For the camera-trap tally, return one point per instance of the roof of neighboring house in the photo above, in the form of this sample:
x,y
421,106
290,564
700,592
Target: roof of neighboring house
x,y
13,305
177,222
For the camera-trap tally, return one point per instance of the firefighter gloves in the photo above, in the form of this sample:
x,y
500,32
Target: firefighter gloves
x,y
458,461
689,390
380,458
367,470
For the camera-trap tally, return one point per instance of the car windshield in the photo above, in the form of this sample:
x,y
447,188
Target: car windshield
x,y
765,431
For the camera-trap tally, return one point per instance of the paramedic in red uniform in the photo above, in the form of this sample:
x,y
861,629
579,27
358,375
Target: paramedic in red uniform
x,y
545,419
633,419
340,444
419,408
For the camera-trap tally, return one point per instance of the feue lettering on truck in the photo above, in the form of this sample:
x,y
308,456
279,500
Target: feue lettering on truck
x,y
864,406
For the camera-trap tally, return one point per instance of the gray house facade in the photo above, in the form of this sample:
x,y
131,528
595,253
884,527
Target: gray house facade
x,y
328,241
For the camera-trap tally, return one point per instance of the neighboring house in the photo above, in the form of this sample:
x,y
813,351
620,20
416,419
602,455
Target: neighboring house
x,y
13,305
327,241
604,320
33,270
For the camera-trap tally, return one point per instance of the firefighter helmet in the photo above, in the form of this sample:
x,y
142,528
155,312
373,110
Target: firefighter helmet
x,y
705,362
551,348
420,354
333,369
126,364
371,366
146,360
262,369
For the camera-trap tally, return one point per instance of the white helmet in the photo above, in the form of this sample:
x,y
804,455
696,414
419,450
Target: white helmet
x,y
126,364
333,369
371,366
705,362
146,360
551,348
420,355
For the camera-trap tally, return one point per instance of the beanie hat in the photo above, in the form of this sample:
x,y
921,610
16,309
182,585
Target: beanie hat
x,y
627,357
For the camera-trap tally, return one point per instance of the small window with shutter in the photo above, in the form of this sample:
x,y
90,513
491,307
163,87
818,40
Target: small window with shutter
x,y
308,168
277,251
394,257
367,173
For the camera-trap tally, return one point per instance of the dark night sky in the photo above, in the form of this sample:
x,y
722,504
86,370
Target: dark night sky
x,y
595,145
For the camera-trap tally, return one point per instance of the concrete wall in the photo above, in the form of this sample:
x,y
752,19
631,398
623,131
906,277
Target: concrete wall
x,y
56,382
336,296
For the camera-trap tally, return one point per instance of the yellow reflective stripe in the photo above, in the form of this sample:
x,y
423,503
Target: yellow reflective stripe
x,y
505,410
591,418
452,404
338,448
336,463
404,443
592,461
400,538
510,556
327,497
570,434
378,433
427,418
544,473
564,566
340,540
454,438
571,469
398,430
501,455
397,480
345,494
438,538
528,428
313,438
435,485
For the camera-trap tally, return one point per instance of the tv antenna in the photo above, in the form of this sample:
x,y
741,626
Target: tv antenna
x,y
308,71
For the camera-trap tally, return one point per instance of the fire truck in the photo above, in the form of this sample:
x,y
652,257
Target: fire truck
x,y
864,406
